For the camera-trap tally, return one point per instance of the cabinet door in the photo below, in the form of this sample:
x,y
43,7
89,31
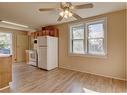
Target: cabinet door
x,y
5,71
42,57
22,45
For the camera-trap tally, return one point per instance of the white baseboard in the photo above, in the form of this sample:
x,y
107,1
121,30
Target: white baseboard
x,y
93,73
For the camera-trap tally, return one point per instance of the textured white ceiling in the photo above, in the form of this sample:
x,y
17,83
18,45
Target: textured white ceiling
x,y
28,14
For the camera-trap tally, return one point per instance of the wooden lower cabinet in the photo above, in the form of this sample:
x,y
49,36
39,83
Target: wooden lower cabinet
x,y
5,70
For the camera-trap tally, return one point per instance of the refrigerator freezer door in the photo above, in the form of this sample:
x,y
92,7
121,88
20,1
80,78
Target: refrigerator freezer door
x,y
42,57
42,41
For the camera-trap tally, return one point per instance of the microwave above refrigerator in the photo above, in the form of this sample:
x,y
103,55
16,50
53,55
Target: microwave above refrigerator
x,y
35,41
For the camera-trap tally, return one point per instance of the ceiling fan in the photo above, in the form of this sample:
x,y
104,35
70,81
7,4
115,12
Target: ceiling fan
x,y
66,10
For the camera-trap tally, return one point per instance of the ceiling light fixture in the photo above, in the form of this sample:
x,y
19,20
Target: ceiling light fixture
x,y
66,13
62,14
7,22
68,10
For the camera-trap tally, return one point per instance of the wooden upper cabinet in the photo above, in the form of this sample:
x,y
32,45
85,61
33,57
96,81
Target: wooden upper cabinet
x,y
40,34
32,34
46,31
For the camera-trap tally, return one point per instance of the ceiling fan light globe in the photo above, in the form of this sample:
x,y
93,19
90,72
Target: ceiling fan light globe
x,y
61,13
65,16
70,14
66,11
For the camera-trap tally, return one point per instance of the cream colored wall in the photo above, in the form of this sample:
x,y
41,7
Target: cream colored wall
x,y
126,46
112,66
20,44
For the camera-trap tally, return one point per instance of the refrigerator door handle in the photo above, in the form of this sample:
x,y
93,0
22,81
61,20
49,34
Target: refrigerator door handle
x,y
42,46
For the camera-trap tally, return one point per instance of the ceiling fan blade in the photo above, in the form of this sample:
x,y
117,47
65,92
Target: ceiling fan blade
x,y
60,18
47,9
90,5
76,16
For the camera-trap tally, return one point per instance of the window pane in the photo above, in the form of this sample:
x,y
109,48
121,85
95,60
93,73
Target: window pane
x,y
78,46
78,32
95,46
5,43
95,30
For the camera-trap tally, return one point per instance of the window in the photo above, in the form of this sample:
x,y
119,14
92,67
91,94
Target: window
x,y
5,43
88,38
78,39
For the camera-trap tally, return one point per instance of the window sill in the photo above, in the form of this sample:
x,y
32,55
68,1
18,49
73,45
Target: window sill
x,y
89,55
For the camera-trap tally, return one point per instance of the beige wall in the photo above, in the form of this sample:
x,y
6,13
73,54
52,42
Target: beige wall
x,y
112,66
20,43
126,46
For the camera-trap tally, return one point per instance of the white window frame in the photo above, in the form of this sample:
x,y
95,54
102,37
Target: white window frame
x,y
86,23
10,44
71,38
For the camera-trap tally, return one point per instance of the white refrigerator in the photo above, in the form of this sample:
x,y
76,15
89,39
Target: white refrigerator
x,y
47,49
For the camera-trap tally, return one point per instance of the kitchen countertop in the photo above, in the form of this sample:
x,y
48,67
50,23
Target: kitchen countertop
x,y
5,55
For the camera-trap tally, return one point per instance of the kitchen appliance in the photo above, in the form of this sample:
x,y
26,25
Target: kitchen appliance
x,y
47,49
35,44
32,57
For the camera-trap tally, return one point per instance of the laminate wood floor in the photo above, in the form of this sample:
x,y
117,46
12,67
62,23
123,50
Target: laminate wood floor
x,y
28,78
